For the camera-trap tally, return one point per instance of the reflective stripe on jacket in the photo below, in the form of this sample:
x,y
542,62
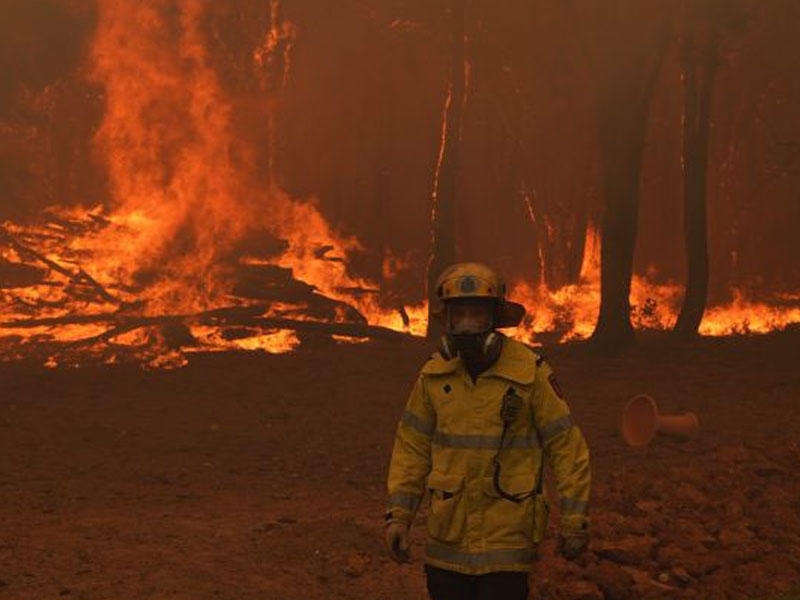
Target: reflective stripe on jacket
x,y
445,442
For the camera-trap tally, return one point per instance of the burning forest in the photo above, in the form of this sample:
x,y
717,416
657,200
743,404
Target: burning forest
x,y
233,195
193,241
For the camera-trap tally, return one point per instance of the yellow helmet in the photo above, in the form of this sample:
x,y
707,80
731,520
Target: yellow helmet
x,y
476,280
469,280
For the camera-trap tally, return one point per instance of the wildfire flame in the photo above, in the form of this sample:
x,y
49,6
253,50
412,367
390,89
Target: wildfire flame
x,y
571,311
158,272
176,175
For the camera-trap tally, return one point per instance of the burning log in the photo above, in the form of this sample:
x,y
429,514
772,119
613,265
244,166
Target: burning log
x,y
346,329
277,284
174,332
56,321
81,277
270,282
231,316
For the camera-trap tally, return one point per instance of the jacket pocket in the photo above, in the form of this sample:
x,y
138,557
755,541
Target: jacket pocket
x,y
507,523
447,514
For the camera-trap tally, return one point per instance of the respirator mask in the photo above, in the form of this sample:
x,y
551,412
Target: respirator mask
x,y
470,331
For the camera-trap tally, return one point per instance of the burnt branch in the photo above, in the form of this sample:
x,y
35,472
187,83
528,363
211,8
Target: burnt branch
x,y
80,277
227,317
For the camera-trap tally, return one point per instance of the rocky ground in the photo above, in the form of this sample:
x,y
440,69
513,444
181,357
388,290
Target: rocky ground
x,y
255,476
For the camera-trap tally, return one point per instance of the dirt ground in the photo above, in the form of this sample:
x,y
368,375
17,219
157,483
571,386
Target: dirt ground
x,y
256,476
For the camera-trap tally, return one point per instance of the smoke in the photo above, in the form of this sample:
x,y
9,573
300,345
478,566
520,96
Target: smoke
x,y
40,42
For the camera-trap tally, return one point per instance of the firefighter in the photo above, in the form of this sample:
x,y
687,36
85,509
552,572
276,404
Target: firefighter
x,y
482,415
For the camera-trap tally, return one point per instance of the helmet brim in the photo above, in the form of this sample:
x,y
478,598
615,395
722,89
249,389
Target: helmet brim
x,y
509,314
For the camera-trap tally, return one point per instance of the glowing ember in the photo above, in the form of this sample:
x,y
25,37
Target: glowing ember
x,y
213,339
50,333
276,342
349,339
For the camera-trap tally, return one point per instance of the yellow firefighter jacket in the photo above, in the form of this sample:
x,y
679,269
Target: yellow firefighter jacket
x,y
445,443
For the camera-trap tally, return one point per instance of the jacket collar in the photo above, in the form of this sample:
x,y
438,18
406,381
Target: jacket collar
x,y
516,363
438,365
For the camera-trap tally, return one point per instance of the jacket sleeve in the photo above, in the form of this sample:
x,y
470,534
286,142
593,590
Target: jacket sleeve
x,y
411,457
565,447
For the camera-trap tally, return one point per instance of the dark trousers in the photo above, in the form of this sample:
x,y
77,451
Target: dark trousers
x,y
502,585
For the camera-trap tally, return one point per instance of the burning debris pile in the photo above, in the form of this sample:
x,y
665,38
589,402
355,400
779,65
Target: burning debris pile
x,y
194,249
57,312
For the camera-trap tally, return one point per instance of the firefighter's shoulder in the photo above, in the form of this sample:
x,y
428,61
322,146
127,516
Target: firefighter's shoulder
x,y
528,351
537,352
439,365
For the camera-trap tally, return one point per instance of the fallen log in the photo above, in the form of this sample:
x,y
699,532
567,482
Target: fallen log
x,y
223,317
65,320
79,277
348,329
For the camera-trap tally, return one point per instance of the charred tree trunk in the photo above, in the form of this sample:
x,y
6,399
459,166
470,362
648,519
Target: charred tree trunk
x,y
622,141
699,62
447,168
623,107
576,246
540,275
385,151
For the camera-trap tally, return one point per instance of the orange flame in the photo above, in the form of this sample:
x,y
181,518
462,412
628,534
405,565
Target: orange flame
x,y
745,317
169,140
175,170
185,194
571,311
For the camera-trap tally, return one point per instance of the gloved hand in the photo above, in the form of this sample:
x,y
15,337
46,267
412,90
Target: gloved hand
x,y
571,544
397,541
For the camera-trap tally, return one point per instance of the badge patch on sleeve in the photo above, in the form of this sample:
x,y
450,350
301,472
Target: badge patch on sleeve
x,y
551,379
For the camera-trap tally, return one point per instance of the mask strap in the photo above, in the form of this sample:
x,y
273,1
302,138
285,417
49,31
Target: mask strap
x,y
445,348
489,342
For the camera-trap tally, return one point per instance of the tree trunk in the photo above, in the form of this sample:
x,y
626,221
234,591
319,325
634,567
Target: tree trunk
x,y
623,106
623,123
622,143
699,59
447,168
577,246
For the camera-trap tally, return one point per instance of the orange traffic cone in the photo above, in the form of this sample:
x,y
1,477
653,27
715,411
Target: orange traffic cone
x,y
641,421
